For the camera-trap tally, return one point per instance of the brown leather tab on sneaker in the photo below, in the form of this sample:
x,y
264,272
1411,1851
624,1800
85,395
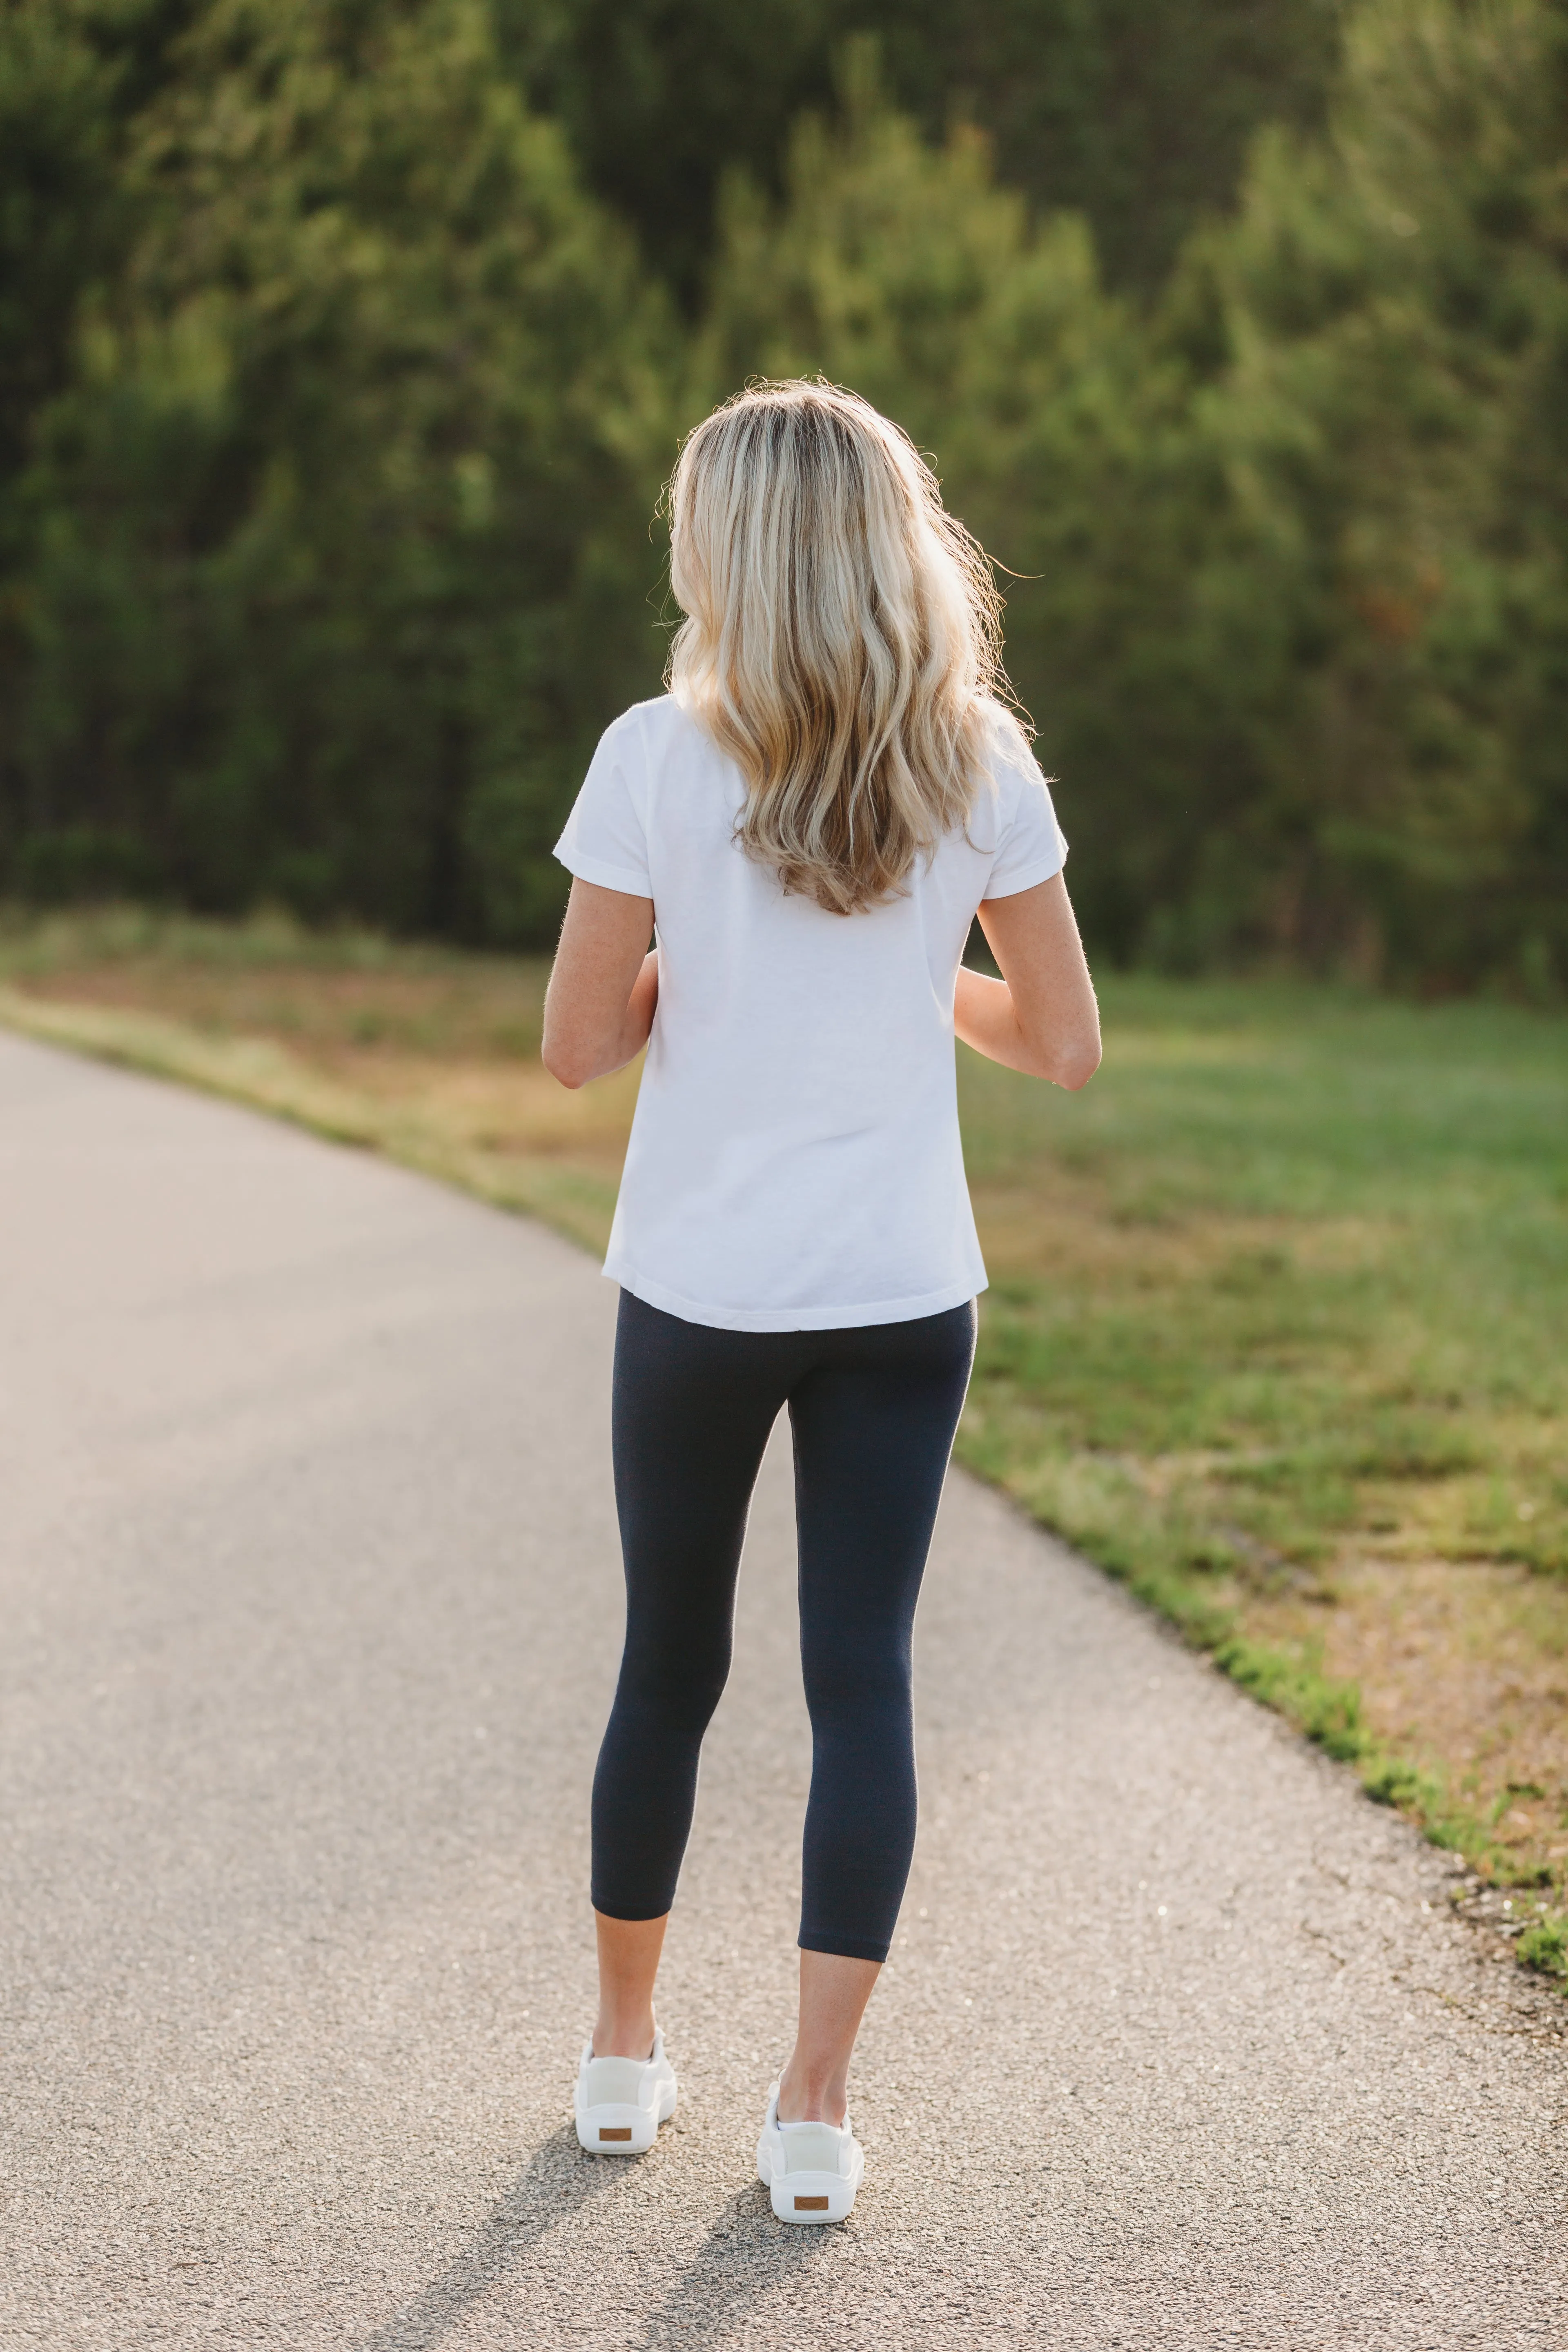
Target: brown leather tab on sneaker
x,y
811,2204
614,2131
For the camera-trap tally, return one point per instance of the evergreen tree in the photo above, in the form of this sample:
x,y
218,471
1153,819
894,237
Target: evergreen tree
x,y
73,75
1381,348
340,547
1136,112
1058,439
332,412
1291,592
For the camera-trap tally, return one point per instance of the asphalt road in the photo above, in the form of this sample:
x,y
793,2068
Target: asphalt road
x,y
310,1604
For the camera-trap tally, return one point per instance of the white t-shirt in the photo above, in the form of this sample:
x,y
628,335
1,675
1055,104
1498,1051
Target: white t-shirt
x,y
794,1163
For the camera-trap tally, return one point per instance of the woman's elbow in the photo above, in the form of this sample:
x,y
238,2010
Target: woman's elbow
x,y
566,1067
1078,1065
1069,1062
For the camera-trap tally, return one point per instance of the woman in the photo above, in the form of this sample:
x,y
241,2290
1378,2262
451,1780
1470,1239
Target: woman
x,y
811,817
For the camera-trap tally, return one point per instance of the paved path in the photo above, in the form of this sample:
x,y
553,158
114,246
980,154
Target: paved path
x,y
310,1607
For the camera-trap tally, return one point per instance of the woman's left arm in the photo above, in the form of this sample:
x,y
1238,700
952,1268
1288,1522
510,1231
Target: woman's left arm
x,y
604,986
1040,1017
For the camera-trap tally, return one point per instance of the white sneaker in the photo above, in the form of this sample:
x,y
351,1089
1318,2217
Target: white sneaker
x,y
620,2102
811,2170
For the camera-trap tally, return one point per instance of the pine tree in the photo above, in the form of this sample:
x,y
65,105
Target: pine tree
x,y
341,527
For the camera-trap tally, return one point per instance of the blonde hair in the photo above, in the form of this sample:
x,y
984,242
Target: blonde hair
x,y
843,639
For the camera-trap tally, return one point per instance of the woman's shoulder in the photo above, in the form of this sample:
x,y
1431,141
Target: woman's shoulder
x,y
670,765
655,727
1007,755
1005,773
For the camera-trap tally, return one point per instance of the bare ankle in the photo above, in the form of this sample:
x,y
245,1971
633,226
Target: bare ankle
x,y
808,2098
621,2037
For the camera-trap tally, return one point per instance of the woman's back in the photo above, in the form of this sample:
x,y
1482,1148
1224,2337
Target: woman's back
x,y
794,1163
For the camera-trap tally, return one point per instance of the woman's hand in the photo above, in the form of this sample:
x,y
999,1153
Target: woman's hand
x,y
599,1006
1040,1017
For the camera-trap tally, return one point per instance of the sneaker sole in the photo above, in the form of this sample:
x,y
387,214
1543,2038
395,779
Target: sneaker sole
x,y
623,2131
808,2198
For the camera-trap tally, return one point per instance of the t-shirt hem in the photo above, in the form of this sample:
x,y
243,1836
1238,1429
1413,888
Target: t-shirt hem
x,y
607,878
791,1319
1043,870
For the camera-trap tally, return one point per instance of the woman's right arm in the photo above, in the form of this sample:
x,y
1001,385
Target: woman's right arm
x,y
604,987
1041,1016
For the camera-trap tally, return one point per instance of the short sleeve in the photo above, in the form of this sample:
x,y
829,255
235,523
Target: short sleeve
x,y
1031,846
606,836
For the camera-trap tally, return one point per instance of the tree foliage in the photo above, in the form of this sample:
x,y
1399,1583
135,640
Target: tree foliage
x,y
1135,111
1291,555
1380,344
338,525
336,388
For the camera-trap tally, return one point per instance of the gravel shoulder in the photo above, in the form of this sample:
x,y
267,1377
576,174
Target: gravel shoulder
x,y
311,1601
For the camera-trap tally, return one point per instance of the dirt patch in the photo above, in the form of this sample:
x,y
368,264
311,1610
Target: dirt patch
x,y
1466,1663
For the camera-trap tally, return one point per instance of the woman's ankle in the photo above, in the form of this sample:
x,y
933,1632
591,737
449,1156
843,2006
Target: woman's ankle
x,y
803,2099
624,2037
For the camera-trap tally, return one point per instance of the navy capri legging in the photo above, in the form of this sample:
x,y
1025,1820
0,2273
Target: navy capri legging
x,y
873,1409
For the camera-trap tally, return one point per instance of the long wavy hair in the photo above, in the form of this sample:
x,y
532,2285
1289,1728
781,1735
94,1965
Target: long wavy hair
x,y
842,639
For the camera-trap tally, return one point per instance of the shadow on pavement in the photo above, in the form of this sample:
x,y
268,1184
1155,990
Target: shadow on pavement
x,y
557,2181
745,2256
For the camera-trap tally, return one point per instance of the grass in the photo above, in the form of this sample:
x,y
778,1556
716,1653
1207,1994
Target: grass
x,y
1274,1330
1276,1334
